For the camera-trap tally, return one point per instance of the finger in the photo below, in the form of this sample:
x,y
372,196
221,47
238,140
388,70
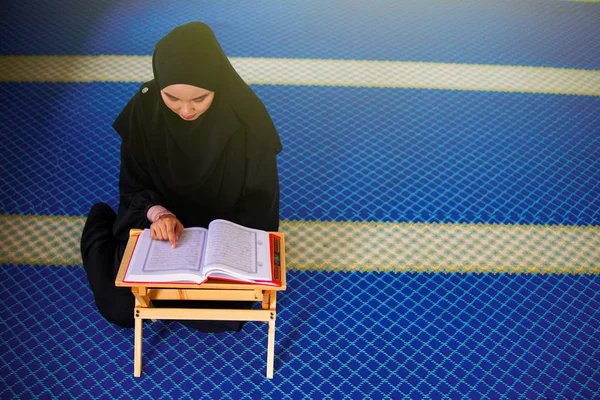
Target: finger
x,y
178,229
153,232
171,234
162,232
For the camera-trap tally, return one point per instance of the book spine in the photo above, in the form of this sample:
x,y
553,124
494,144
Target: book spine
x,y
275,257
137,238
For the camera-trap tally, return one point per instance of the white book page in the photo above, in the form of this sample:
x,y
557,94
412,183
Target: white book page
x,y
155,260
237,251
186,256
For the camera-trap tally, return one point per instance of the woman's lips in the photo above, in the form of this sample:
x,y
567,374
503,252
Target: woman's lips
x,y
188,116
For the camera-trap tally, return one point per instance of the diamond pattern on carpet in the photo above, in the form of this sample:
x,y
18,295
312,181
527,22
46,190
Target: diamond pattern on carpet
x,y
366,335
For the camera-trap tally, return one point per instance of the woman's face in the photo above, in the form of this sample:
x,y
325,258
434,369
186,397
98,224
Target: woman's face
x,y
187,101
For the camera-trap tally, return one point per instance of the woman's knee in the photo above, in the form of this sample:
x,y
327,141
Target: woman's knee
x,y
97,230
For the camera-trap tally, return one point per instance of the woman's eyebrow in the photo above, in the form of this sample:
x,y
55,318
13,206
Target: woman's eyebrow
x,y
195,98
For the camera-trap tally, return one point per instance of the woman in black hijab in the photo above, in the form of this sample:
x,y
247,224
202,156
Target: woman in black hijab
x,y
197,145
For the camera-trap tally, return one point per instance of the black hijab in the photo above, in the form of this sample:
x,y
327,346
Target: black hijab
x,y
187,152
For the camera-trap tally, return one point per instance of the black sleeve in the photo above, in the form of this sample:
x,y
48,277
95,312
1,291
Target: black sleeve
x,y
137,192
259,205
136,196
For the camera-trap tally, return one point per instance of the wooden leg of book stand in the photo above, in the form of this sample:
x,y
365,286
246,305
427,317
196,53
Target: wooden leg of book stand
x,y
271,350
137,347
271,340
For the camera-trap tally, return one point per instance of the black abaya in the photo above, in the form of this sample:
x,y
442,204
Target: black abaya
x,y
222,165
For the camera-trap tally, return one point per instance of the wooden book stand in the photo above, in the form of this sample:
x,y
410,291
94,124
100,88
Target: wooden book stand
x,y
211,290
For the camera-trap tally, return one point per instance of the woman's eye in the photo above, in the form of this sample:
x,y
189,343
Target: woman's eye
x,y
199,100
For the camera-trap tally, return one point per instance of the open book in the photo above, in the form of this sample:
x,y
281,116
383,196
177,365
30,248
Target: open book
x,y
223,251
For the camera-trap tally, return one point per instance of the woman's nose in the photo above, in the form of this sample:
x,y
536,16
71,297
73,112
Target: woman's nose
x,y
187,108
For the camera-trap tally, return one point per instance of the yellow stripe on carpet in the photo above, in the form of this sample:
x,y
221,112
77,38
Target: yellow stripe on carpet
x,y
40,239
359,246
315,72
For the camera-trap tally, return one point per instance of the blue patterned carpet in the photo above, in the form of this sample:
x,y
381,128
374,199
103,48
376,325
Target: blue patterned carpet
x,y
339,334
360,154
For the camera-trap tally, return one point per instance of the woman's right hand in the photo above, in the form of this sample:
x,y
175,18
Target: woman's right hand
x,y
167,227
